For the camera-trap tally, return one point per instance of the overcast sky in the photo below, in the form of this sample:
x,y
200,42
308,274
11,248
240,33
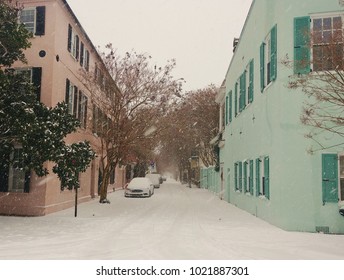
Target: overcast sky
x,y
197,33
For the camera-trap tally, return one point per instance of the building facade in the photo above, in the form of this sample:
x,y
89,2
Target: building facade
x,y
265,164
60,52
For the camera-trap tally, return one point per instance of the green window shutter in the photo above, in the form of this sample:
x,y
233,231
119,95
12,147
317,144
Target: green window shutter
x,y
236,99
267,177
244,90
273,52
240,176
240,94
227,105
329,178
236,176
245,176
301,45
251,178
262,67
230,106
257,176
251,82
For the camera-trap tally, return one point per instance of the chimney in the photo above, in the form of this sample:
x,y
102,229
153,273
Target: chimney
x,y
235,43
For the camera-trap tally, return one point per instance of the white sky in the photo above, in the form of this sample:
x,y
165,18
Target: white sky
x,y
197,33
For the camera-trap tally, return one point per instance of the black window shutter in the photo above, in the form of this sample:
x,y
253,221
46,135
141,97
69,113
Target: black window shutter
x,y
75,107
37,80
67,91
81,53
4,170
77,47
87,60
40,20
80,96
85,117
27,181
69,46
4,179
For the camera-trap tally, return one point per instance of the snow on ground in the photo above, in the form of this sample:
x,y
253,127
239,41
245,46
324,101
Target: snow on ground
x,y
175,223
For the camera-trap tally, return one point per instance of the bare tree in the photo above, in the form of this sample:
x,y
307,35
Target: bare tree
x,y
188,129
129,94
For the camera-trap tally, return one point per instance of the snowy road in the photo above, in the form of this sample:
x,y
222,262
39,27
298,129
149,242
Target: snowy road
x,y
175,223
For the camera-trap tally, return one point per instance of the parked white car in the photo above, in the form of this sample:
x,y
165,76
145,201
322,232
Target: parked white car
x,y
139,187
155,178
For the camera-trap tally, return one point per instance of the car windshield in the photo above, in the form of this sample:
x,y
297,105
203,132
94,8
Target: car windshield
x,y
139,182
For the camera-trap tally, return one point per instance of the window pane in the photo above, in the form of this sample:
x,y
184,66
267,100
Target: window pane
x,y
317,58
317,24
317,37
327,37
327,24
337,23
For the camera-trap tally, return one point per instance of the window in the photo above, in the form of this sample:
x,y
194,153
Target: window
x,y
77,103
230,105
242,96
15,177
246,86
236,178
245,176
263,177
34,19
72,98
84,57
327,43
250,178
34,75
268,59
73,42
82,112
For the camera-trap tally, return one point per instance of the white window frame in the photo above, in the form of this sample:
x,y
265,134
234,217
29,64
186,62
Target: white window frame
x,y
313,44
32,29
267,60
262,192
16,174
82,114
247,73
72,91
73,46
23,70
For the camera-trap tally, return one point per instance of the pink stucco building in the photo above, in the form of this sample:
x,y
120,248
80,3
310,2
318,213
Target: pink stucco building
x,y
60,49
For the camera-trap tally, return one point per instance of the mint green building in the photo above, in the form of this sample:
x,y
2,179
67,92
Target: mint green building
x,y
265,166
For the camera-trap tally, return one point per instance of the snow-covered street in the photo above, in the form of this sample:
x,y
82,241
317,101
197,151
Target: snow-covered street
x,y
175,223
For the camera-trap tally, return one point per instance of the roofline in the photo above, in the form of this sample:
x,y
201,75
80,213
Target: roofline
x,y
242,31
69,9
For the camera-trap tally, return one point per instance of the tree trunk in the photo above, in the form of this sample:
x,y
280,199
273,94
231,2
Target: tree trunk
x,y
104,184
